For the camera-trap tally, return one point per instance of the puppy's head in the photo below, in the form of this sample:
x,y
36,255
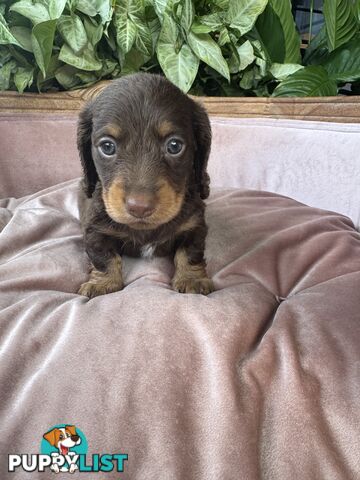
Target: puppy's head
x,y
148,144
63,438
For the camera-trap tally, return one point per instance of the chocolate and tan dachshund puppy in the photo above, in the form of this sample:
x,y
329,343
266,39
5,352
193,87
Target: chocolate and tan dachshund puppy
x,y
144,147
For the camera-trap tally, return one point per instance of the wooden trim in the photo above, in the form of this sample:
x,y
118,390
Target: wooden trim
x,y
331,109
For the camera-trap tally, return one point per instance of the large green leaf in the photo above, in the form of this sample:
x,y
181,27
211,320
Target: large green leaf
x,y
207,50
86,7
282,9
170,34
6,36
65,75
5,55
246,55
73,32
36,12
95,7
23,78
275,29
133,61
143,38
56,8
340,20
312,81
270,34
94,31
317,50
242,14
198,27
160,6
249,80
126,34
208,23
42,39
280,71
179,67
126,14
45,82
86,61
343,64
19,57
5,74
187,15
178,62
23,36
224,4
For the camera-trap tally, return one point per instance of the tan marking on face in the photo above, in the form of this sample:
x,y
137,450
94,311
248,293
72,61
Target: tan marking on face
x,y
101,283
114,200
190,278
169,202
167,206
165,128
112,129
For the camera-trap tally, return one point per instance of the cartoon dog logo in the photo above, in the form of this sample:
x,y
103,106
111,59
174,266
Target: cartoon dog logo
x,y
63,439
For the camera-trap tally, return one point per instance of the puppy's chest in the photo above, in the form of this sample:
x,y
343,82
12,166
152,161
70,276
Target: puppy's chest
x,y
147,249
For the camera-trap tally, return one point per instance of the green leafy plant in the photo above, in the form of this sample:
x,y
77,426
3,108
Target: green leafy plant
x,y
207,47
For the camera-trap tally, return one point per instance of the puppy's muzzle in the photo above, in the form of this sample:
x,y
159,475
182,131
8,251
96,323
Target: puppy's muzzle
x,y
140,205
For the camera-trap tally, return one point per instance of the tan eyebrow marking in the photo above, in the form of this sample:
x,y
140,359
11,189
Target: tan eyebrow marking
x,y
112,130
165,128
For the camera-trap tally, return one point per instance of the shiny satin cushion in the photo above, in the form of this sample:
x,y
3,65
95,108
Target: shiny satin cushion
x,y
258,379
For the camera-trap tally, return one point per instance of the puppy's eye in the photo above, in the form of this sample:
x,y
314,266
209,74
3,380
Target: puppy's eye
x,y
174,146
108,148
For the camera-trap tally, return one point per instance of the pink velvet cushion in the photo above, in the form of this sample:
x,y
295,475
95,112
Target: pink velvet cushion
x,y
260,378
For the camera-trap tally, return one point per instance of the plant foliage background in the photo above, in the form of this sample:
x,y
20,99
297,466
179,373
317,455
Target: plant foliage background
x,y
207,47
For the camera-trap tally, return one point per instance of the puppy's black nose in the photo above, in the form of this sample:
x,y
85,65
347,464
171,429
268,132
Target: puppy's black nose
x,y
140,205
75,438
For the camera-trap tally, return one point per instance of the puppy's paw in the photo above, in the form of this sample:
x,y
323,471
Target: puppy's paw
x,y
101,283
202,285
92,289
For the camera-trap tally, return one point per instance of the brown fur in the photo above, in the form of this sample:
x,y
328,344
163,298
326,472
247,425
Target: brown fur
x,y
104,282
139,114
190,278
169,202
165,128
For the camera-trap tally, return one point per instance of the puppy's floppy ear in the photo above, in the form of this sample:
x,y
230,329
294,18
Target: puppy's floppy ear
x,y
71,429
202,132
84,146
52,437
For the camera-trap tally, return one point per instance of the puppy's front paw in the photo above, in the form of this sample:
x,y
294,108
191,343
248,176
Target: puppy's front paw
x,y
101,283
193,285
92,289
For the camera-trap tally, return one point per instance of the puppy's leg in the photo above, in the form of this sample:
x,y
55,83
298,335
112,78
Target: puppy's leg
x,y
190,266
106,274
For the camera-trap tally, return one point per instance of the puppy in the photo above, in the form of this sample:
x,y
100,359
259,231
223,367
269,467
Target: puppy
x,y
144,147
63,439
